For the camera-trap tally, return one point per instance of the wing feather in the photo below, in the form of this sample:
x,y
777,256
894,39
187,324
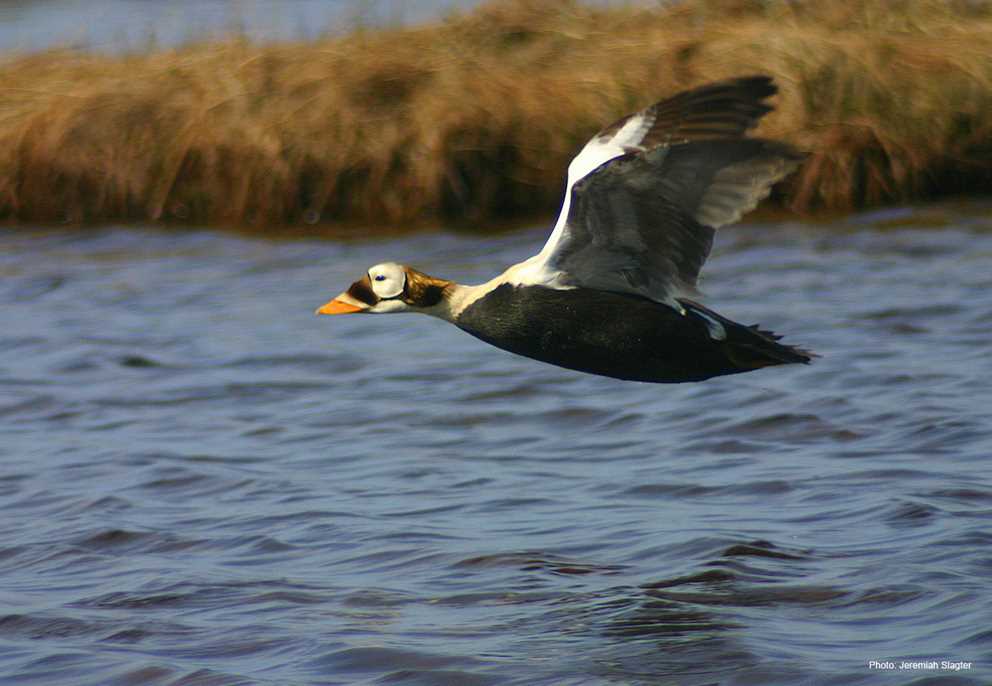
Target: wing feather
x,y
727,109
645,194
644,223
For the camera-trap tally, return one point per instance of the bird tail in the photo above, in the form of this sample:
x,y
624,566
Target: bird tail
x,y
751,347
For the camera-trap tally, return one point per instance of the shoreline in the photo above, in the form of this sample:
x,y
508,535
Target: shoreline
x,y
472,120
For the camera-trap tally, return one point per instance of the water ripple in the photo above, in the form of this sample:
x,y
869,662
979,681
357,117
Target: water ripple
x,y
205,484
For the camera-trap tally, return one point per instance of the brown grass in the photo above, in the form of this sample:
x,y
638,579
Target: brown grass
x,y
474,118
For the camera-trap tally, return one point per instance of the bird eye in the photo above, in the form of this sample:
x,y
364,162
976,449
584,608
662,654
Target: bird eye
x,y
380,277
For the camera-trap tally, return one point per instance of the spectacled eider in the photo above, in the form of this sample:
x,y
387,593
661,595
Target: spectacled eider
x,y
611,291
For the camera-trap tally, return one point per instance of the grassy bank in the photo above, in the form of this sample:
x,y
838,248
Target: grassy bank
x,y
474,119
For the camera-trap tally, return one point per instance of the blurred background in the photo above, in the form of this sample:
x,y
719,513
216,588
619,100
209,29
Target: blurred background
x,y
258,114
123,25
202,484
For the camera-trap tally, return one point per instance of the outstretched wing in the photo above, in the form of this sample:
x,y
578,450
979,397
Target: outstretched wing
x,y
644,223
645,195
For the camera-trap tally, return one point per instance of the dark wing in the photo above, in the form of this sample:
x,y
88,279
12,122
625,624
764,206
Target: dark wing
x,y
726,109
645,194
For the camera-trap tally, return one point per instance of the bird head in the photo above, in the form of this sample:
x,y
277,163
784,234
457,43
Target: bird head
x,y
388,287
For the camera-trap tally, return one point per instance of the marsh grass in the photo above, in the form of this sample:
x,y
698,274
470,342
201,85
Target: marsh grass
x,y
473,119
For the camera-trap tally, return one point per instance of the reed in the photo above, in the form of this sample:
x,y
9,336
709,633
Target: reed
x,y
473,119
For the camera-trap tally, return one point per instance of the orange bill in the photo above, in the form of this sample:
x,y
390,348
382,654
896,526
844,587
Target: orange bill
x,y
338,307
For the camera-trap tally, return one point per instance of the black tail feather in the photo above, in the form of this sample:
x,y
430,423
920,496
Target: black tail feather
x,y
751,347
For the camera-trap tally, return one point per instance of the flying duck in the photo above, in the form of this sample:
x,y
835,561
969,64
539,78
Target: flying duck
x,y
613,290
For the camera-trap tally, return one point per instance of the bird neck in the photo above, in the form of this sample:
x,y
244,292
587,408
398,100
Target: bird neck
x,y
454,299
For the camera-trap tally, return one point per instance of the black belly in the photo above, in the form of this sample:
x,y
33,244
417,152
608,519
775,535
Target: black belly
x,y
611,334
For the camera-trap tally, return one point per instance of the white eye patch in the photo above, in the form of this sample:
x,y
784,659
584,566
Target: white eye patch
x,y
388,279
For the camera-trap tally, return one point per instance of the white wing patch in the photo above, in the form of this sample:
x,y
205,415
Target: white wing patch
x,y
599,150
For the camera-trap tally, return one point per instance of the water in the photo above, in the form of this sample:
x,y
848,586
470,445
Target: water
x,y
115,25
138,25
203,483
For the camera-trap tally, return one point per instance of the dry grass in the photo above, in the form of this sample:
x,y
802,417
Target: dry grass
x,y
474,118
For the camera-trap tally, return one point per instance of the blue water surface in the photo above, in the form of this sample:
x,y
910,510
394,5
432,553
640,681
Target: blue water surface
x,y
203,483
